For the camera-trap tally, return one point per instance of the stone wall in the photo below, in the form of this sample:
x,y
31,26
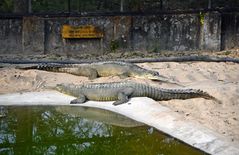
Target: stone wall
x,y
230,31
167,32
210,29
10,36
174,32
33,35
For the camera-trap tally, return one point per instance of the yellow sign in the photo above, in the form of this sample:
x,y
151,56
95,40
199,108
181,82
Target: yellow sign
x,y
87,31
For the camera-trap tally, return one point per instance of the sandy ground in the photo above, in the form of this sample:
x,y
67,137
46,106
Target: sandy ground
x,y
218,79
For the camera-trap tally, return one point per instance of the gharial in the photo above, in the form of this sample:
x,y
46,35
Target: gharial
x,y
103,69
121,92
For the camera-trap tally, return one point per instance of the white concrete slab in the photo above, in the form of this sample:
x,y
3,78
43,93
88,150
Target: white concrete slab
x,y
144,110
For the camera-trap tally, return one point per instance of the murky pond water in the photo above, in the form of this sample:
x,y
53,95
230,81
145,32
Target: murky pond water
x,y
79,130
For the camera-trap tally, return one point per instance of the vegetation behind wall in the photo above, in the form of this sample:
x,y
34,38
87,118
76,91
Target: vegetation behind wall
x,y
60,6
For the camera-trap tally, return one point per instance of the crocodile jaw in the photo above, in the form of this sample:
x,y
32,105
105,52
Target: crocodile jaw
x,y
151,77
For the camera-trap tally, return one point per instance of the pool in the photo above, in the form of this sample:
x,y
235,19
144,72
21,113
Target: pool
x,y
80,130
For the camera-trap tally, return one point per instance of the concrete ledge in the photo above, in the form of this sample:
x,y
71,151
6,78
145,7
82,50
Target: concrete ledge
x,y
144,110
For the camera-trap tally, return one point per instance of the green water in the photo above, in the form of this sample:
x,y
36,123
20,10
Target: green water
x,y
83,131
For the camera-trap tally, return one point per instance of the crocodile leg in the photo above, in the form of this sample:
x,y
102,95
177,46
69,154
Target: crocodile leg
x,y
81,99
123,96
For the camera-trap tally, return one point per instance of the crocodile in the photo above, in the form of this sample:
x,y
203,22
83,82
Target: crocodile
x,y
121,92
103,69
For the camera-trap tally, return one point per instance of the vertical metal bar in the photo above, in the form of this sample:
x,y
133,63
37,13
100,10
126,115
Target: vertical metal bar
x,y
122,6
209,4
29,6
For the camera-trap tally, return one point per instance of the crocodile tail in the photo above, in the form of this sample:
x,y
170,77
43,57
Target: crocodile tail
x,y
45,67
188,93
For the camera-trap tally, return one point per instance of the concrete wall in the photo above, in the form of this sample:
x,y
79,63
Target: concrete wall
x,y
230,31
33,35
167,32
210,29
10,36
174,32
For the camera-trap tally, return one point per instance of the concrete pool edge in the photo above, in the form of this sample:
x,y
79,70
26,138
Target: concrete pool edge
x,y
144,110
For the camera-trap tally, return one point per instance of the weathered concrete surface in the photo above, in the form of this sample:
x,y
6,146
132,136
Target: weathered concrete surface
x,y
156,115
174,32
11,36
230,31
210,31
33,35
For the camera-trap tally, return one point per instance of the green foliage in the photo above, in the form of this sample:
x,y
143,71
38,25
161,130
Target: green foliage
x,y
227,52
49,6
75,5
6,6
114,45
134,5
114,5
225,4
202,16
154,50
